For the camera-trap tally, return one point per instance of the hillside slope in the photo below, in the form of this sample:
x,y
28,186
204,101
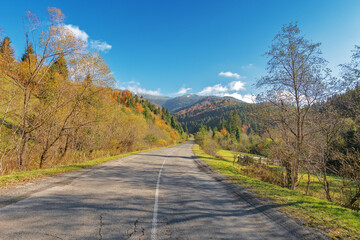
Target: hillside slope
x,y
209,110
178,103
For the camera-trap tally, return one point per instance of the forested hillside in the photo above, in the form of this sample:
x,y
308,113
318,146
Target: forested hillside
x,y
57,104
209,111
181,102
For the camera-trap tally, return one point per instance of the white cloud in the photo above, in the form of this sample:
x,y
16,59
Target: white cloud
x,y
230,74
230,90
100,46
183,91
236,85
247,66
135,88
220,90
214,90
80,34
249,98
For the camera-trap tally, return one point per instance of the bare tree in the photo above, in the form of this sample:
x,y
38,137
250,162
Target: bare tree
x,y
296,79
235,150
349,170
328,124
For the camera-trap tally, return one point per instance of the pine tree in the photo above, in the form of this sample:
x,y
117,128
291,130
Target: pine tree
x,y
221,123
60,66
173,122
28,52
215,129
6,51
238,134
6,48
186,129
233,122
147,113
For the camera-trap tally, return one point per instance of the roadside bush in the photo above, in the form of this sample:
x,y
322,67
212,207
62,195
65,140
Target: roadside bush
x,y
264,173
201,136
244,143
211,146
151,139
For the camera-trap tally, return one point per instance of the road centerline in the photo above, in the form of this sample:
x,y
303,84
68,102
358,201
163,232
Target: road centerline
x,y
154,221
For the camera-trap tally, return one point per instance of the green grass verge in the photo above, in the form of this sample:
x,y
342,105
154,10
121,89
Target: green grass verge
x,y
26,176
338,222
316,187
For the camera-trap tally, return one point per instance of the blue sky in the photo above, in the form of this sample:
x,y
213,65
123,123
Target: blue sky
x,y
202,47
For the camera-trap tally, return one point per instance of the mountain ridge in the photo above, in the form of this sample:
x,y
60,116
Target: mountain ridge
x,y
175,104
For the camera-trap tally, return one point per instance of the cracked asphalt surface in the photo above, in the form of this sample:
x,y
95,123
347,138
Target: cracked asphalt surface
x,y
115,200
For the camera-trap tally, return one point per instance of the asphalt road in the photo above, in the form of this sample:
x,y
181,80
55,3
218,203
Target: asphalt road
x,y
160,194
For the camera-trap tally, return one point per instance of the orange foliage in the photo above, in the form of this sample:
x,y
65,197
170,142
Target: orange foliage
x,y
115,94
126,109
173,135
140,108
126,93
244,128
223,131
161,124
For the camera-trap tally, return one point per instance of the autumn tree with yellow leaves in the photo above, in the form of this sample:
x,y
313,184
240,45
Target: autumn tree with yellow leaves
x,y
58,105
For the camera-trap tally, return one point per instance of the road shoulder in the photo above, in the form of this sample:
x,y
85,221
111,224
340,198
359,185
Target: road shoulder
x,y
262,205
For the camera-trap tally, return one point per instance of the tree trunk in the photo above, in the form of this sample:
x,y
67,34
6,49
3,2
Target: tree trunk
x,y
42,158
326,185
288,176
293,180
308,182
24,131
66,147
294,174
22,151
